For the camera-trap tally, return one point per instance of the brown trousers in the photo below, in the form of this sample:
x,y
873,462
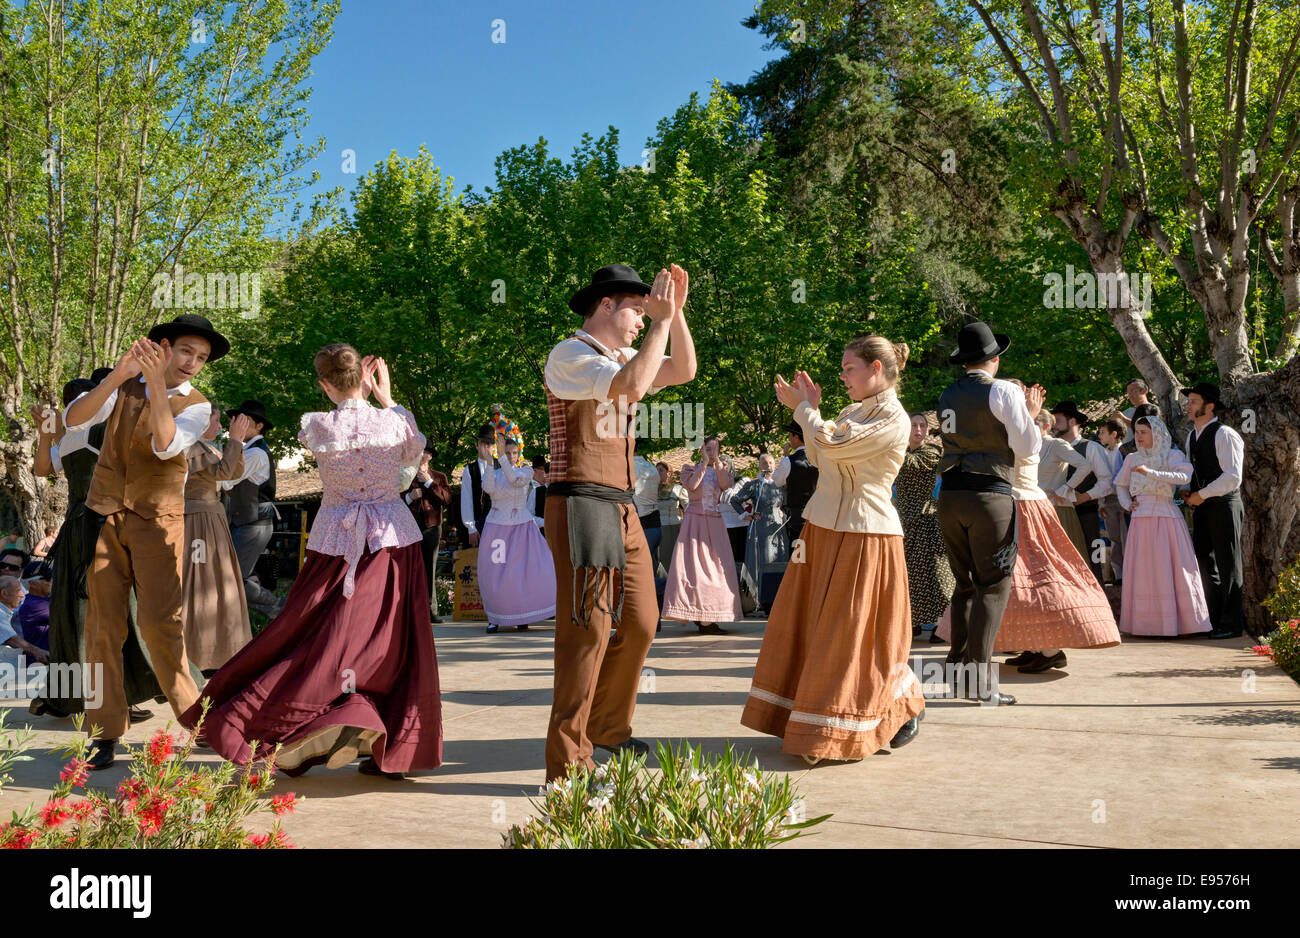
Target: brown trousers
x,y
596,677
146,552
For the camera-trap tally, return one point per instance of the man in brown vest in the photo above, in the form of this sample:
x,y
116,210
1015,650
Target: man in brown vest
x,y
153,415
603,569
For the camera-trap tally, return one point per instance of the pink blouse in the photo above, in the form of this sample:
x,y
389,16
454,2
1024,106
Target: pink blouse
x,y
360,451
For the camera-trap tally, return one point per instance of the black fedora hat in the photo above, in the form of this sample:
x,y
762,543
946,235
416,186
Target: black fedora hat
x,y
255,410
793,427
99,374
191,324
1071,409
611,279
1208,392
978,343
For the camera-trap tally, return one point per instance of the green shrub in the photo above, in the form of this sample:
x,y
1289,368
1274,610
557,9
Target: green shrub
x,y
690,802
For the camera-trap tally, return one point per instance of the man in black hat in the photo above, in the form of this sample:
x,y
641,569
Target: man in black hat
x,y
1217,453
799,477
986,426
153,415
474,502
604,571
250,507
1095,486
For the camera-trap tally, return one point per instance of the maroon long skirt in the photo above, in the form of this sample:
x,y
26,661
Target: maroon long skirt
x,y
330,670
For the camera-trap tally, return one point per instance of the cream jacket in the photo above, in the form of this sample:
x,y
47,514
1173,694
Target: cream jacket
x,y
857,455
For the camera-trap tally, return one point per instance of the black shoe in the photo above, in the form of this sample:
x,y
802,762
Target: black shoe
x,y
42,708
916,631
369,766
711,628
907,732
1043,663
493,629
521,628
637,746
996,700
1025,657
104,754
139,715
935,639
1224,633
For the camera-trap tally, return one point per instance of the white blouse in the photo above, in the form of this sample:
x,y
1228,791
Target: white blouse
x,y
1154,491
510,488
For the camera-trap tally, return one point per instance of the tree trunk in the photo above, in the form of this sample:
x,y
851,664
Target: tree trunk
x,y
1267,414
37,502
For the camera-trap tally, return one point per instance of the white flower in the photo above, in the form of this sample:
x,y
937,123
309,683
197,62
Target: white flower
x,y
600,802
699,843
751,779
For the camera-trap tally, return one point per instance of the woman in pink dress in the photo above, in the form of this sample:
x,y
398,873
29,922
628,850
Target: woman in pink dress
x,y
1165,596
1056,603
349,666
702,585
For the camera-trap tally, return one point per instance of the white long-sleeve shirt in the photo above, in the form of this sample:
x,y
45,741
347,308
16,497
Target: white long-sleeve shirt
x,y
485,468
1100,464
190,422
257,466
1230,449
783,469
1007,404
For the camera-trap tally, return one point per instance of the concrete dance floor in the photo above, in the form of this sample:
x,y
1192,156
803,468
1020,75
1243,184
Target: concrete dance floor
x,y
1151,744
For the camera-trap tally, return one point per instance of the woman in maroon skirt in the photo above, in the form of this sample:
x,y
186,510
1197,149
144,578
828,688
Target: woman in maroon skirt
x,y
348,667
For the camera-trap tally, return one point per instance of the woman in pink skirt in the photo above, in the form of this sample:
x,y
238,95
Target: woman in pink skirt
x,y
702,585
348,668
1165,596
1056,602
516,575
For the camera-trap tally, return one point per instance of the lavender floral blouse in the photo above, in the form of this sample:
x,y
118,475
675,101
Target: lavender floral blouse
x,y
360,451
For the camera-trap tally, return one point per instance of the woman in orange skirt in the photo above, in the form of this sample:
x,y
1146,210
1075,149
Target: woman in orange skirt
x,y
832,678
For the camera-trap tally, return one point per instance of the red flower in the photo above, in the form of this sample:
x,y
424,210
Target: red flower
x,y
152,815
275,839
260,841
283,804
75,772
161,747
83,809
16,838
55,812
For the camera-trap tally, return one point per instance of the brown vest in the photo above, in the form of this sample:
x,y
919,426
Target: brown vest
x,y
128,474
587,443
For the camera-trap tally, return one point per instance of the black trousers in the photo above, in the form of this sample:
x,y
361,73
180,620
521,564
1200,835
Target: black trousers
x,y
429,551
1216,538
979,529
1090,520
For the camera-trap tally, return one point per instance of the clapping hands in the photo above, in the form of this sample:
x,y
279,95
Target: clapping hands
x,y
803,389
375,380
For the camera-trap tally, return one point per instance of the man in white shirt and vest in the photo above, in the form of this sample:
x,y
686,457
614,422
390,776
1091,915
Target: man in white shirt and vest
x,y
474,502
986,426
250,508
604,571
1217,453
1094,487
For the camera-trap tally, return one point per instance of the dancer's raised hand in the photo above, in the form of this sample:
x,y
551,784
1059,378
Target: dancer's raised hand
x,y
241,427
153,359
681,286
382,383
1034,397
791,395
813,390
659,305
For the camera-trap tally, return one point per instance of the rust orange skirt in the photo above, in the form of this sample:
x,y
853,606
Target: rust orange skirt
x,y
833,678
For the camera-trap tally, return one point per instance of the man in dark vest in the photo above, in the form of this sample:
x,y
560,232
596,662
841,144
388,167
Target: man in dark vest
x,y
986,426
604,572
474,502
1095,486
250,508
799,477
1217,453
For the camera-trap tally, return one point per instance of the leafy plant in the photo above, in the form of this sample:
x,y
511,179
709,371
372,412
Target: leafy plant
x,y
691,802
165,804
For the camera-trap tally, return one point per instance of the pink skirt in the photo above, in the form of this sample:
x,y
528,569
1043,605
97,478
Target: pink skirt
x,y
1165,596
516,578
702,584
1055,600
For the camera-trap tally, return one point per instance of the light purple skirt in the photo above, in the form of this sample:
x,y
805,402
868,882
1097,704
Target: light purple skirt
x,y
702,584
516,577
1163,594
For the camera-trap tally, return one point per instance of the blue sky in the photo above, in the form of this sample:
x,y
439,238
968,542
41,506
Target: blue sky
x,y
401,73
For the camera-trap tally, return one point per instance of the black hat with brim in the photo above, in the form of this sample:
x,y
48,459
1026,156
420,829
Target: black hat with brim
x,y
253,409
978,343
793,427
609,280
1071,409
191,324
1207,392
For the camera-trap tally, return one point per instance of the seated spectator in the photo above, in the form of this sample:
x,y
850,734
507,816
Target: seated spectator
x,y
34,613
12,641
42,548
